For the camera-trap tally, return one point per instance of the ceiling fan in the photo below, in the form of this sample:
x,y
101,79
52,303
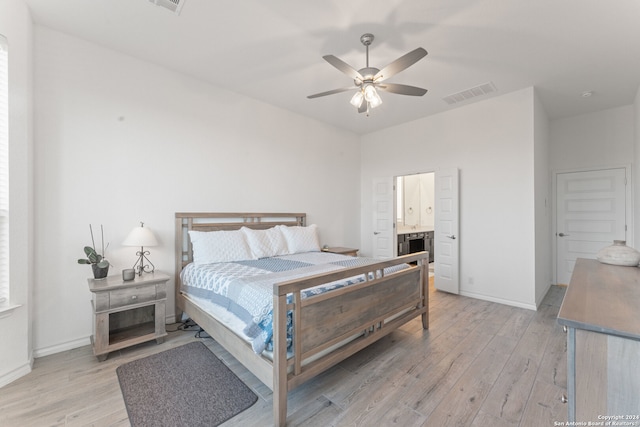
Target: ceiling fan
x,y
368,79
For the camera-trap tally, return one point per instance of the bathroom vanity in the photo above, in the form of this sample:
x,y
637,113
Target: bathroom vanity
x,y
415,240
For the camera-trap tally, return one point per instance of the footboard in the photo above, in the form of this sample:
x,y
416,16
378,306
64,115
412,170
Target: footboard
x,y
329,327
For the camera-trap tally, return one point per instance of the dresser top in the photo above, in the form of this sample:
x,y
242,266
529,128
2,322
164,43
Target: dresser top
x,y
603,298
110,283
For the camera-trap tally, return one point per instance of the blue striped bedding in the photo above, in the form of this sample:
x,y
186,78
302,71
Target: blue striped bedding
x,y
245,288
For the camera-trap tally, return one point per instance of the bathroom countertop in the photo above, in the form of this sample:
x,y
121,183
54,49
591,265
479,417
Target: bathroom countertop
x,y
410,230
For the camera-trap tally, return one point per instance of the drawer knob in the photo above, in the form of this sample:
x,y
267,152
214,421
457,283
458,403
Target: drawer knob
x,y
564,399
134,297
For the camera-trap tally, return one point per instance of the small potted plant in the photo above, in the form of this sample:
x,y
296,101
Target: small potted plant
x,y
98,262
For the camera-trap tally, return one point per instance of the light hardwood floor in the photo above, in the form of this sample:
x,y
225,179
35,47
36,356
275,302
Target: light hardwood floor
x,y
479,364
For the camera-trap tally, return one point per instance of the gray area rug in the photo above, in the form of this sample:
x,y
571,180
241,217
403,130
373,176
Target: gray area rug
x,y
184,386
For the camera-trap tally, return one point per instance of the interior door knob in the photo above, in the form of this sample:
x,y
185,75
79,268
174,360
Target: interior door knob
x,y
376,232
452,237
563,235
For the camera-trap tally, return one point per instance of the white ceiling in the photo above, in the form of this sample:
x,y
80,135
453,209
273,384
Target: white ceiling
x,y
272,50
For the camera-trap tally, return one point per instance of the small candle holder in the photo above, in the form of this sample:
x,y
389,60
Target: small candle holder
x,y
128,274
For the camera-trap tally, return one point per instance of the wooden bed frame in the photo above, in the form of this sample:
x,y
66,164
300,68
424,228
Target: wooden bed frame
x,y
321,323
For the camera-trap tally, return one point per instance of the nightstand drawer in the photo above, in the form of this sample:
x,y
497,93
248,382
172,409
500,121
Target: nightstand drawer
x,y
133,295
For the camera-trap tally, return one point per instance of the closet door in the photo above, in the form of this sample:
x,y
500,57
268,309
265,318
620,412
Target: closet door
x,y
590,214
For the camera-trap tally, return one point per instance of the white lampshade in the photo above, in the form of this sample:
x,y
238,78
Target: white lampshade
x,y
140,236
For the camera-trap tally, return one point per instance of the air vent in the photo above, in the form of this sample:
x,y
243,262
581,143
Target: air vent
x,y
174,6
479,90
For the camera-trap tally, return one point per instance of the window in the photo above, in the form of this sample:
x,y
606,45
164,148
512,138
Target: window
x,y
4,174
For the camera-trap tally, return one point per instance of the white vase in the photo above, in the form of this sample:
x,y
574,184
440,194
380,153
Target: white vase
x,y
619,254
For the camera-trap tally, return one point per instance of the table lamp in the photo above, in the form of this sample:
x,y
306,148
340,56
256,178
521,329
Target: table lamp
x,y
141,236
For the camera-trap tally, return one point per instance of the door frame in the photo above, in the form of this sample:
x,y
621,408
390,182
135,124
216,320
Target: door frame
x,y
395,204
554,208
435,172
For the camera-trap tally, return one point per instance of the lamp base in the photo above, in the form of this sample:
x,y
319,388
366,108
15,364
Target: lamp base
x,y
143,264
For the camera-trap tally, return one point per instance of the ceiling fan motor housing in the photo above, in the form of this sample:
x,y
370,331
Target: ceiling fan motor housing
x,y
368,73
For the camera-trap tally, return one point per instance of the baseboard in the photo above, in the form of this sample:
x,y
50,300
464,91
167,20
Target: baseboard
x,y
19,372
544,294
70,345
499,300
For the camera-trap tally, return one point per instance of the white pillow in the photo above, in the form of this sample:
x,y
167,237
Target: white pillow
x,y
266,243
301,239
219,246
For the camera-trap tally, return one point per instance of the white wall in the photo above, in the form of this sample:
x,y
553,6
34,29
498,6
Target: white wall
x,y
603,138
119,141
15,330
492,143
427,197
543,203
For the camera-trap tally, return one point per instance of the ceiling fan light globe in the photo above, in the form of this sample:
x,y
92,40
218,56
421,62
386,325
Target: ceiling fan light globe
x,y
357,99
372,97
376,101
369,92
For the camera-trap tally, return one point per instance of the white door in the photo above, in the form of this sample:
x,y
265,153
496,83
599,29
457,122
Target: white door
x,y
383,214
590,215
446,258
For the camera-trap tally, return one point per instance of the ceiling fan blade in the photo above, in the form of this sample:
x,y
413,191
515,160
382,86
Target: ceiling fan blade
x,y
331,92
343,66
402,89
400,64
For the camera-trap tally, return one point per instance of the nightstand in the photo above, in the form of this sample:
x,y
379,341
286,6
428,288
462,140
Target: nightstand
x,y
127,313
341,250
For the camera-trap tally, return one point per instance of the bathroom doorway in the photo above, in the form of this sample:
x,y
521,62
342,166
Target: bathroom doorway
x,y
415,213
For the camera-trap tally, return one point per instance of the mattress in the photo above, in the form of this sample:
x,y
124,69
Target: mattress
x,y
240,293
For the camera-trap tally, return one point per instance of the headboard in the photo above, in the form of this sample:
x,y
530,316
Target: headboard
x,y
215,221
